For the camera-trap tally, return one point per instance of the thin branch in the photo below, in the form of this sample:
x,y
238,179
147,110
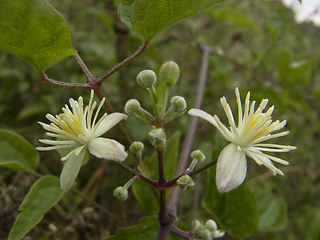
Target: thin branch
x,y
173,199
201,169
141,50
181,233
83,66
45,78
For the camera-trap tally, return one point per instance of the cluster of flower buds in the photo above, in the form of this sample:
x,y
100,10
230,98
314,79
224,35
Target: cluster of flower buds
x,y
168,76
207,231
157,137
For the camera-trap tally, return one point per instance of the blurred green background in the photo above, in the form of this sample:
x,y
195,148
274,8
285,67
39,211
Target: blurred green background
x,y
257,46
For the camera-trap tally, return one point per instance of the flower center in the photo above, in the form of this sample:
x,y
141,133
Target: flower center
x,y
70,123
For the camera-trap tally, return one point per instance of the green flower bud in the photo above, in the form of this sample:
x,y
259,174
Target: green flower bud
x,y
169,71
178,103
132,106
146,78
120,193
185,182
198,154
196,225
157,136
136,147
205,234
211,225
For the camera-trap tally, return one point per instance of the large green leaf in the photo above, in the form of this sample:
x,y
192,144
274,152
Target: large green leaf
x,y
148,17
273,212
16,152
235,210
44,194
144,193
34,30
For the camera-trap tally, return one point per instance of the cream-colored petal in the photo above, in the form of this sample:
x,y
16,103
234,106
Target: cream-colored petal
x,y
71,169
108,122
202,114
108,149
213,120
231,168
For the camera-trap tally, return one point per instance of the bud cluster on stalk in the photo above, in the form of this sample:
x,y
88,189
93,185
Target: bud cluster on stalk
x,y
157,86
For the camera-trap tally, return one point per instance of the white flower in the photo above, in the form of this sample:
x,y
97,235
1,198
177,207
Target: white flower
x,y
78,129
254,127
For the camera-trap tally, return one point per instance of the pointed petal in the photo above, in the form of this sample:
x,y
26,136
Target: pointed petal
x,y
108,149
108,122
71,169
202,114
231,168
213,120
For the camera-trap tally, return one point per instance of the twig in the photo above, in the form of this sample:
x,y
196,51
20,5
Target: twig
x,y
180,233
45,78
141,50
173,199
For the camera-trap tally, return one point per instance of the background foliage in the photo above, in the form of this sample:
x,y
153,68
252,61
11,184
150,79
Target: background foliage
x,y
256,45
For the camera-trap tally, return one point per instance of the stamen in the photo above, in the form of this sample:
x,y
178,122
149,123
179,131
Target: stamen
x,y
239,107
229,114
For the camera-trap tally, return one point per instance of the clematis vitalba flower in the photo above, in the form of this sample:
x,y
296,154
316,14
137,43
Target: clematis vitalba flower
x,y
79,129
246,140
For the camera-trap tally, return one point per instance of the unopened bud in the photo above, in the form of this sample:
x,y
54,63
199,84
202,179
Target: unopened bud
x,y
185,182
120,193
198,154
178,103
211,225
196,225
157,136
170,72
136,147
146,78
205,234
132,106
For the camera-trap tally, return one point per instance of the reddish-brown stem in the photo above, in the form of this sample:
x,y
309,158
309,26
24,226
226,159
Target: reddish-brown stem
x,y
180,233
164,220
45,78
141,50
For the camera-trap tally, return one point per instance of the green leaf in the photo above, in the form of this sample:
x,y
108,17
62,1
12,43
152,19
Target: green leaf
x,y
145,230
34,30
235,210
44,194
149,17
16,152
272,211
144,193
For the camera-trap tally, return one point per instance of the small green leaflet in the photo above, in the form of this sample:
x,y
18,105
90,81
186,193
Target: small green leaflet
x,y
43,195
